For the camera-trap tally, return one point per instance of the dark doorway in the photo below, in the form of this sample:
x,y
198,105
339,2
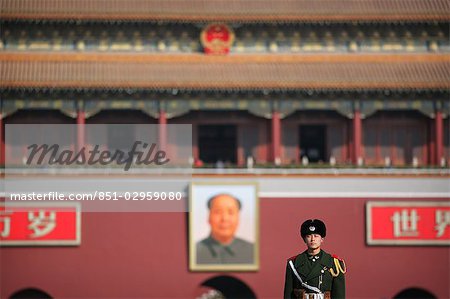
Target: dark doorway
x,y
217,143
230,287
121,137
312,143
414,293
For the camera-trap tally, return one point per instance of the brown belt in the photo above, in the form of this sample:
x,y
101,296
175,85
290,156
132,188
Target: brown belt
x,y
301,294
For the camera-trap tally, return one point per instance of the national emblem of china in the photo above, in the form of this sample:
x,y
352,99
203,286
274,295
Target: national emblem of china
x,y
217,39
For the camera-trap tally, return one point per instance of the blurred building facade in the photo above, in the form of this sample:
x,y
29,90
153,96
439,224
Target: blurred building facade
x,y
366,85
328,82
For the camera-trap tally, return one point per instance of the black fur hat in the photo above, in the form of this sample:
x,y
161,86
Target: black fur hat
x,y
313,226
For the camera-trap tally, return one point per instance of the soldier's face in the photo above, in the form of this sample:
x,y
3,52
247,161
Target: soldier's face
x,y
313,241
224,218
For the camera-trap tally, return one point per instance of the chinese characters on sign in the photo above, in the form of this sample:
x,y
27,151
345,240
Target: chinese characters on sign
x,y
442,222
25,224
408,223
405,224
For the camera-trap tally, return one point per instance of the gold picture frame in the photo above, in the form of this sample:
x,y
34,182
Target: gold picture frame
x,y
206,253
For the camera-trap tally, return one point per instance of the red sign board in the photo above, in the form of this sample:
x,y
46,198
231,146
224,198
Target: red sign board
x,y
408,223
39,224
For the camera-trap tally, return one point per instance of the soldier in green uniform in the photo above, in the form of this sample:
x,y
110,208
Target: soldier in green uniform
x,y
314,274
222,246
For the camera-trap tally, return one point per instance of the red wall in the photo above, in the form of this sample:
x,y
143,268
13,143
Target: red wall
x,y
146,255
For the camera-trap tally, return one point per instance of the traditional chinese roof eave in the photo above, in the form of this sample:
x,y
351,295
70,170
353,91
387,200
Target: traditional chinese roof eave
x,y
228,10
228,19
233,72
124,57
217,86
229,90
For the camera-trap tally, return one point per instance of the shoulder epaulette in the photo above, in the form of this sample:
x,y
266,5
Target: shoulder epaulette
x,y
336,257
339,264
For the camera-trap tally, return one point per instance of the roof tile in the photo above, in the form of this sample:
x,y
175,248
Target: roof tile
x,y
227,10
224,74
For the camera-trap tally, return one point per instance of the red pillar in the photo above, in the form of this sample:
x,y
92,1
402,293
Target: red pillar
x,y
439,135
195,151
357,148
431,143
2,143
240,150
350,147
81,121
276,136
162,121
